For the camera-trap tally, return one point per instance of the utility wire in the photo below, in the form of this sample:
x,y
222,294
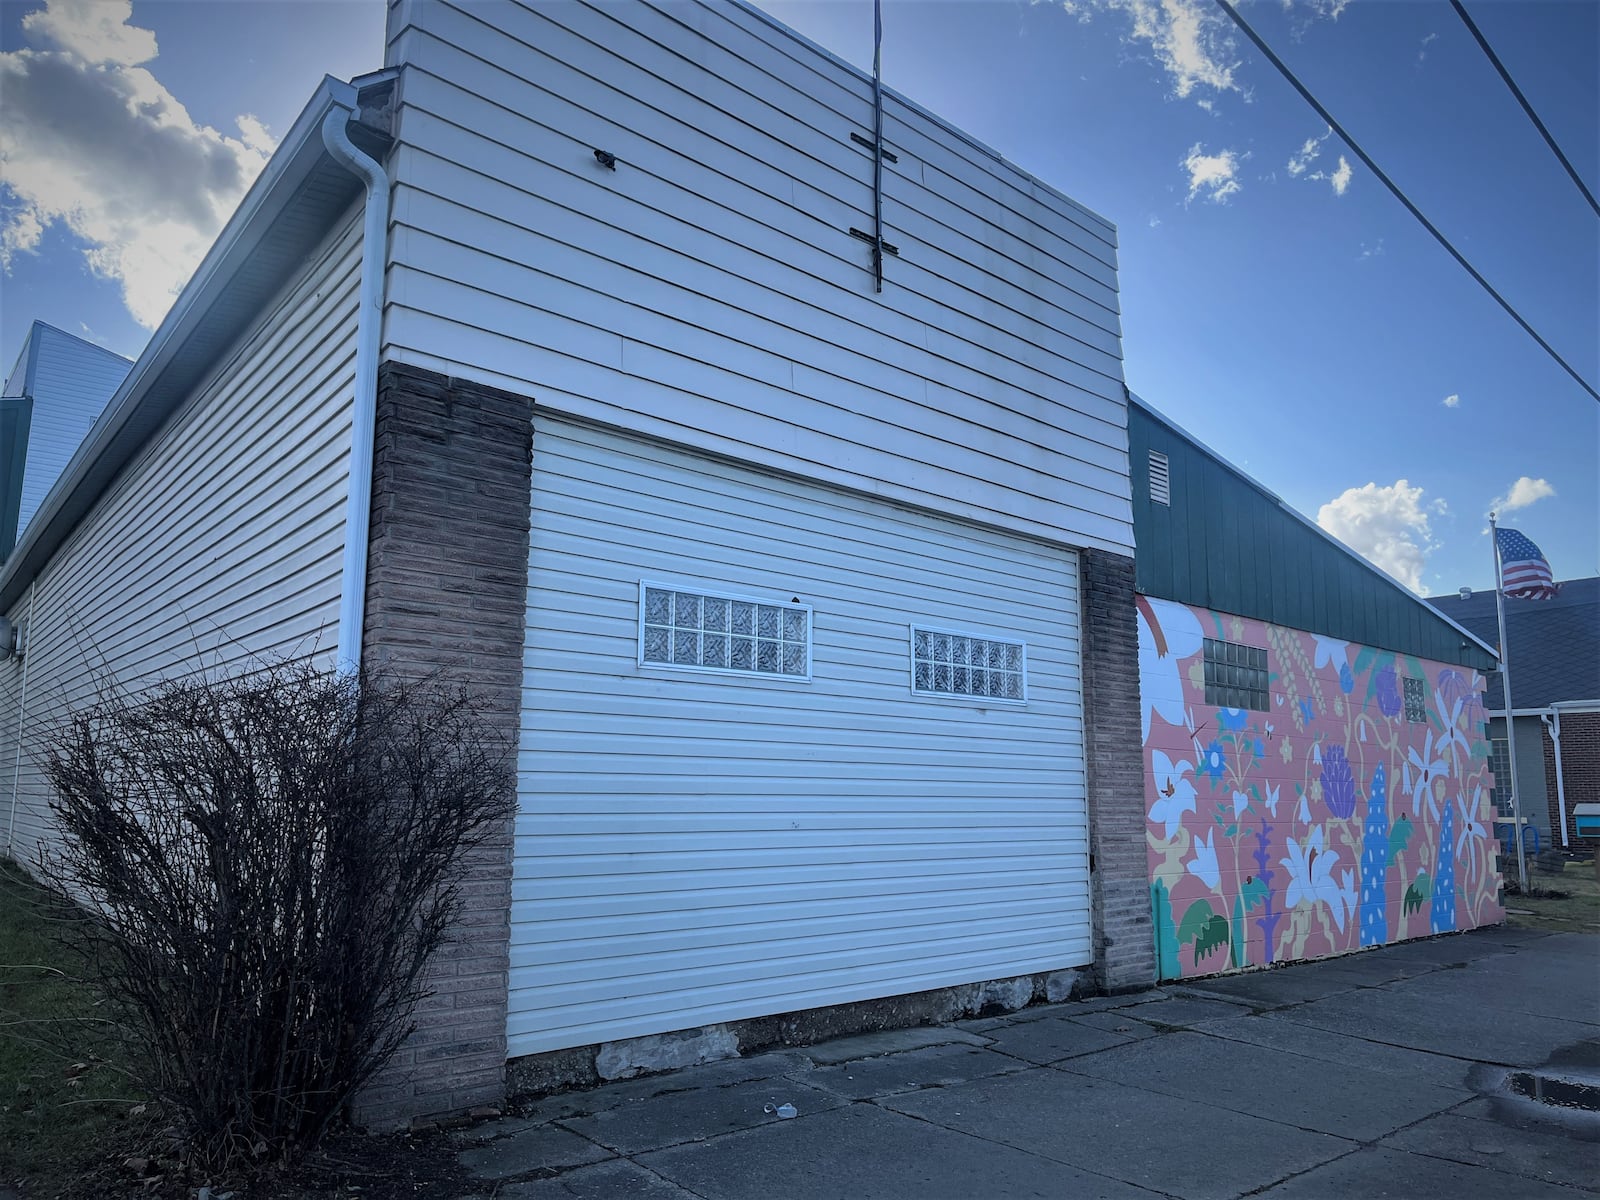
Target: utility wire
x,y
1526,107
1399,195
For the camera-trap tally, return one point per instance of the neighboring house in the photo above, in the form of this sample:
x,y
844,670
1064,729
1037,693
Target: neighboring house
x,y
1317,774
1553,653
809,607
55,392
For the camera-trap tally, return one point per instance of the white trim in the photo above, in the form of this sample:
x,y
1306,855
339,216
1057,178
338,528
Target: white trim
x,y
713,592
1008,639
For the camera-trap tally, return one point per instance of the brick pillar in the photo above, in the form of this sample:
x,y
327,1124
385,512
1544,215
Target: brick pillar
x,y
1580,773
1124,950
447,581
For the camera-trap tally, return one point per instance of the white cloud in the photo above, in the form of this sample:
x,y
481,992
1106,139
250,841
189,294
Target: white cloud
x,y
1451,401
1522,493
1389,526
1299,165
1371,250
1340,179
1422,51
1214,175
93,141
1191,41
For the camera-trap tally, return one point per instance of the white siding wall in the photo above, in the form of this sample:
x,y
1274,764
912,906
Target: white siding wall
x,y
222,540
707,291
703,847
71,384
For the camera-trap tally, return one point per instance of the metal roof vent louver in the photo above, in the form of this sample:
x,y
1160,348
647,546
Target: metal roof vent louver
x,y
1160,480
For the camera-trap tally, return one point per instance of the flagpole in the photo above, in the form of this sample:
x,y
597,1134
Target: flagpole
x,y
1505,699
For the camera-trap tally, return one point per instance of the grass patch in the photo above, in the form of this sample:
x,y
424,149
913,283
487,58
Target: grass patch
x,y
1576,910
64,1107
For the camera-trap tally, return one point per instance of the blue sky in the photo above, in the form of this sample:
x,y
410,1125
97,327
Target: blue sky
x,y
1277,301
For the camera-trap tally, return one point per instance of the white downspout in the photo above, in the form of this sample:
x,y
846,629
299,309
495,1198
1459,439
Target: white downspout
x,y
369,321
1552,722
22,719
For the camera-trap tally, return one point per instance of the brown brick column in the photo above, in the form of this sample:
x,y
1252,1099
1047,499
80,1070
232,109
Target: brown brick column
x,y
447,581
1580,771
1124,952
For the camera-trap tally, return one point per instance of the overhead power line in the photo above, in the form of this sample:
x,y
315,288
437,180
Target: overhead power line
x,y
1526,107
1394,188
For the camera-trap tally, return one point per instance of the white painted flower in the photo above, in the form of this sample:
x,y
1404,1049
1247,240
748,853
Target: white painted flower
x,y
1450,717
1420,772
1330,652
1272,801
1303,813
1168,634
1311,876
1316,753
1204,864
1347,897
1470,827
1240,803
1174,792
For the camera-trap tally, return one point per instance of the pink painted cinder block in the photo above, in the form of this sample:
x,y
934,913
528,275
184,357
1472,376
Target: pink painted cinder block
x,y
1353,811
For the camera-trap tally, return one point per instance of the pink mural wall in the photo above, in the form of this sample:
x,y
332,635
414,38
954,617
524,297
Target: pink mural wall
x,y
1354,811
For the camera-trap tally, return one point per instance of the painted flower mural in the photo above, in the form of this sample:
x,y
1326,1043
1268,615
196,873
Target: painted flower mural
x,y
1334,820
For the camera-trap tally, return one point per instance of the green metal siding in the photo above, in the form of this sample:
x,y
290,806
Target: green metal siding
x,y
1226,543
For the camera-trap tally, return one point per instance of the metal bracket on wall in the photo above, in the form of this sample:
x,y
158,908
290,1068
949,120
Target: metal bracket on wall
x,y
867,238
862,139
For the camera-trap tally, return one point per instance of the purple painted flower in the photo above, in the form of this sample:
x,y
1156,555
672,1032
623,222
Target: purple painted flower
x,y
1453,686
1388,688
1338,784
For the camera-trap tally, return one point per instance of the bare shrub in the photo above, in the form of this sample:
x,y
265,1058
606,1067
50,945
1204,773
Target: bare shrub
x,y
261,866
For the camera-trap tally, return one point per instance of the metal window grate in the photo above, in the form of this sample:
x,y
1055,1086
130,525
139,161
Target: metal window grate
x,y
1160,479
711,632
961,664
1235,676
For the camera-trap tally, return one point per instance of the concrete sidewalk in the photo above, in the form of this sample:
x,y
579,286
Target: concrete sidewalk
x,y
1389,1073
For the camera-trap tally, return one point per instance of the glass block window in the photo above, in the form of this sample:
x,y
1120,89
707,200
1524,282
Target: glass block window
x,y
701,631
1416,691
960,664
1236,676
1500,764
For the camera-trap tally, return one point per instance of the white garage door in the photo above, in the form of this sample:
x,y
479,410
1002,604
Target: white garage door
x,y
740,794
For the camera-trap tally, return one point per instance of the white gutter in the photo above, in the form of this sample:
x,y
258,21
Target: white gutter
x,y
1552,724
369,321
22,721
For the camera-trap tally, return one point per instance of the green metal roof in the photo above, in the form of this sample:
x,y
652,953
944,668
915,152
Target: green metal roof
x,y
1227,543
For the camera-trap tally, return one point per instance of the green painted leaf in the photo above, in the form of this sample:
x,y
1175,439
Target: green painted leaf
x,y
1167,946
1254,893
1417,894
1363,660
1194,921
1399,835
1231,831
1212,938
1237,952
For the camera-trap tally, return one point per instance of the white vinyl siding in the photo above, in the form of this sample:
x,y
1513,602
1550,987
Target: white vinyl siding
x,y
222,541
707,291
707,846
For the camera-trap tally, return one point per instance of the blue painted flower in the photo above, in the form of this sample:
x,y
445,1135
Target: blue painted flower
x,y
1232,719
1338,784
1213,762
1308,711
1347,681
1388,689
1261,748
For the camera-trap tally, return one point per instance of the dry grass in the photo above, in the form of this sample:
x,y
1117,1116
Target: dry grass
x,y
1578,911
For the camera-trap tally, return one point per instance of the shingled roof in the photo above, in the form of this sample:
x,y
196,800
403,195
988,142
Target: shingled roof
x,y
1554,644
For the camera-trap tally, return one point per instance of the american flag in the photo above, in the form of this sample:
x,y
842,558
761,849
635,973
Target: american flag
x,y
1524,573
